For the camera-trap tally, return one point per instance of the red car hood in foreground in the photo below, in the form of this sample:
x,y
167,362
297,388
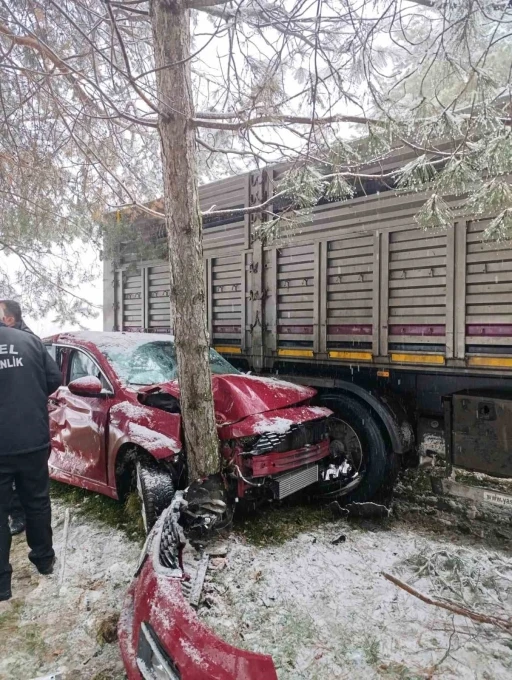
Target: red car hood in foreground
x,y
237,396
155,599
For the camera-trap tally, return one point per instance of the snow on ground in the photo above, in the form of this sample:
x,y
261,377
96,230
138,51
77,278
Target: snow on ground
x,y
321,609
52,627
324,611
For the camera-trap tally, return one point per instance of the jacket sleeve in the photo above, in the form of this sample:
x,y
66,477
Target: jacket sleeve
x,y
53,374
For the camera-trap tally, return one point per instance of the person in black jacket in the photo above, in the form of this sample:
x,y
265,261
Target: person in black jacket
x,y
11,312
28,375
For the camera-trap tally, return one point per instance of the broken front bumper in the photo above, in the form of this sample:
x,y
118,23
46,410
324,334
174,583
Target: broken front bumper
x,y
161,637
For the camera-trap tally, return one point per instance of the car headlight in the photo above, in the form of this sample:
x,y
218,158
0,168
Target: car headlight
x,y
152,661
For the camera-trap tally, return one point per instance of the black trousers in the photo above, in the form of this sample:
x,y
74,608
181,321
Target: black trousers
x,y
30,474
16,511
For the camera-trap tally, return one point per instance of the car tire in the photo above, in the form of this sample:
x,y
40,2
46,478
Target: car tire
x,y
156,490
380,465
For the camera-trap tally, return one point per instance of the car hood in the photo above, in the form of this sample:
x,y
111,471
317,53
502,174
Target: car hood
x,y
237,396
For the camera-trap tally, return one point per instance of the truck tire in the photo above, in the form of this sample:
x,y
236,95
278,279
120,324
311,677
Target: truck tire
x,y
376,465
156,490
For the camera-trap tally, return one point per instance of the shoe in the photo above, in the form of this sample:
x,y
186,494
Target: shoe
x,y
5,595
46,569
16,525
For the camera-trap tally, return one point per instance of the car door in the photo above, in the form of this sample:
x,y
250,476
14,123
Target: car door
x,y
78,425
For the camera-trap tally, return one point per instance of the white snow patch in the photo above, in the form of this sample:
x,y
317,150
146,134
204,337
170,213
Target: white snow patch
x,y
319,411
152,440
434,443
54,628
118,340
194,654
275,382
274,424
325,611
129,410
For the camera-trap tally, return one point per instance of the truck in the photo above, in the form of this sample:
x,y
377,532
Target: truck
x,y
406,333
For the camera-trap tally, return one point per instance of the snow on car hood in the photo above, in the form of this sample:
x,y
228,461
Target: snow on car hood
x,y
238,396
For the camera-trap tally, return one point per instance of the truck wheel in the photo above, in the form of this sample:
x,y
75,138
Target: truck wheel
x,y
155,489
355,438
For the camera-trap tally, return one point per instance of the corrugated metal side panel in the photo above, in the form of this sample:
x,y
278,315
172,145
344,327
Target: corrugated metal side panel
x,y
488,289
227,236
295,295
224,193
226,300
350,263
132,310
158,302
385,211
417,287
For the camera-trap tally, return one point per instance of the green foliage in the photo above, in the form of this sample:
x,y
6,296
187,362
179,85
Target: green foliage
x,y
124,516
417,173
435,213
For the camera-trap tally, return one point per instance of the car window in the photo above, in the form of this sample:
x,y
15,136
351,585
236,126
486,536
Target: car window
x,y
56,354
154,362
81,366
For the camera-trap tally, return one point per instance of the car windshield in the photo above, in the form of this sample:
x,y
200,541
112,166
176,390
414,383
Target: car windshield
x,y
154,362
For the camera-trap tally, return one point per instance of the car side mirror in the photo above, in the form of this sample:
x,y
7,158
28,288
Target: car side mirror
x,y
88,386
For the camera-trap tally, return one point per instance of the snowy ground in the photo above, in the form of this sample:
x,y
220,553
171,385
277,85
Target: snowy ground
x,y
322,609
50,626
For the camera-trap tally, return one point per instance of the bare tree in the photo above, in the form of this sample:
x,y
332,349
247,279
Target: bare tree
x,y
92,88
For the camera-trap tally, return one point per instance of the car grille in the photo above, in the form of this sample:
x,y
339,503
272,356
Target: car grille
x,y
298,436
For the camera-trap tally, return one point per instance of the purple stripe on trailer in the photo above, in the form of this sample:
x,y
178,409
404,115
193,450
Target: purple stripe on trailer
x,y
350,330
498,330
226,329
418,329
296,330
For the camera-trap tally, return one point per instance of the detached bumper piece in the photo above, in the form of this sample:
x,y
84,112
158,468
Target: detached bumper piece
x,y
160,635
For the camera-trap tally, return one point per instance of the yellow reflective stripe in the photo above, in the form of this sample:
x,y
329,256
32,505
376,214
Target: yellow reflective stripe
x,y
295,353
226,349
497,362
351,356
418,358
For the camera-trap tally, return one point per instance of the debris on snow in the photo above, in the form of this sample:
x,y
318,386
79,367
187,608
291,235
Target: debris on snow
x,y
368,509
322,612
339,539
67,517
197,585
107,629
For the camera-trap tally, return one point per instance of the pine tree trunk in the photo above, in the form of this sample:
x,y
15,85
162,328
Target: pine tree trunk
x,y
171,35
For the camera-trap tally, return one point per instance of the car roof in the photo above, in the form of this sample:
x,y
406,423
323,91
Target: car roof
x,y
111,339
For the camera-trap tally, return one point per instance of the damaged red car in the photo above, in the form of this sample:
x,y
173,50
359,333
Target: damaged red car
x,y
116,424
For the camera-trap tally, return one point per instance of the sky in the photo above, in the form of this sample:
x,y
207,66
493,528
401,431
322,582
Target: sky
x,y
92,292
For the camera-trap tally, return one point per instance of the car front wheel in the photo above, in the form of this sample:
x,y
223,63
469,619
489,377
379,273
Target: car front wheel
x,y
155,489
360,463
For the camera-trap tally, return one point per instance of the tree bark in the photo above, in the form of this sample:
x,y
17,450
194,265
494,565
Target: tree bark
x,y
170,22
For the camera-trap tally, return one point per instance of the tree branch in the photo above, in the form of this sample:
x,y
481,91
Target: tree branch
x,y
498,621
202,4
213,123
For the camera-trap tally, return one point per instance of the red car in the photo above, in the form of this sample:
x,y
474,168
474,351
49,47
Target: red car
x,y
160,635
116,422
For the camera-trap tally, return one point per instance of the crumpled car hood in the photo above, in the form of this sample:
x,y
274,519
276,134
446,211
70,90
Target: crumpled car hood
x,y
238,396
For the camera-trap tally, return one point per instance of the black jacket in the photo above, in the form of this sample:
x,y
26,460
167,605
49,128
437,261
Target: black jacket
x,y
22,326
28,375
